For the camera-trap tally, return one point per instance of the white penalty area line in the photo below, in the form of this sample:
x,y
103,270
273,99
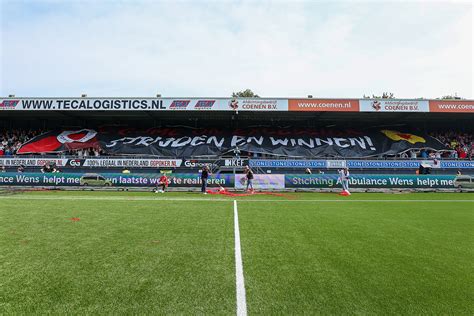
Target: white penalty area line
x,y
132,198
239,268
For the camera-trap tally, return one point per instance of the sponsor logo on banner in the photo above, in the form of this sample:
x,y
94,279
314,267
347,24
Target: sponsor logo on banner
x,y
8,104
360,164
319,105
369,181
261,181
75,162
234,162
204,104
259,104
81,136
393,105
193,163
110,179
333,164
32,162
130,163
431,163
287,163
179,104
115,104
461,106
457,164
234,104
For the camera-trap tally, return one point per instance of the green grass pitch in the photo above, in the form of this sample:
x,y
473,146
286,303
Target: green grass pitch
x,y
173,253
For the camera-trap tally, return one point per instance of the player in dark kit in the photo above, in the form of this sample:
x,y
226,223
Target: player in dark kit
x,y
204,176
249,177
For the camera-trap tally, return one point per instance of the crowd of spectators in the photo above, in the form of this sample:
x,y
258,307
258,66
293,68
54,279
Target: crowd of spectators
x,y
11,140
460,144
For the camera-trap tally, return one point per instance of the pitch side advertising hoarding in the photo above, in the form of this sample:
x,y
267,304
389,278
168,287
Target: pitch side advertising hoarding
x,y
143,104
323,105
32,162
262,181
254,163
369,181
453,106
181,180
235,104
381,105
361,164
92,162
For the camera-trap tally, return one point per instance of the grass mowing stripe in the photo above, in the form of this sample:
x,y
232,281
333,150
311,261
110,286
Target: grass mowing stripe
x,y
356,258
239,268
135,258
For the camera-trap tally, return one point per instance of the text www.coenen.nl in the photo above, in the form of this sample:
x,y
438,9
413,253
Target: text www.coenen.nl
x,y
456,106
325,105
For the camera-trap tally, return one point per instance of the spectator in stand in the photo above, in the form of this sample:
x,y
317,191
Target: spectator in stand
x,y
3,169
404,155
459,142
462,154
424,154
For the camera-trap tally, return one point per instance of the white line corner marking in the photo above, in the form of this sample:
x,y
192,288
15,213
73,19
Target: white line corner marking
x,y
239,268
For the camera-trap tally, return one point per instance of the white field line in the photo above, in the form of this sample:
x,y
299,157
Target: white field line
x,y
239,268
131,198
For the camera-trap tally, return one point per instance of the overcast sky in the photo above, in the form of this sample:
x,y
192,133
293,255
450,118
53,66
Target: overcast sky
x,y
211,48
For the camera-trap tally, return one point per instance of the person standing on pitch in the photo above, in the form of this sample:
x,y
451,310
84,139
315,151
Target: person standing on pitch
x,y
249,177
204,177
344,177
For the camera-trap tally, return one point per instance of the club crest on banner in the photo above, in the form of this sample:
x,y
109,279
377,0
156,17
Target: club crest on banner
x,y
81,136
396,136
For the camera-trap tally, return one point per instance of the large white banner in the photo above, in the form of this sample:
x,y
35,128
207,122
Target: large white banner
x,y
133,163
379,105
32,162
261,181
258,104
143,104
